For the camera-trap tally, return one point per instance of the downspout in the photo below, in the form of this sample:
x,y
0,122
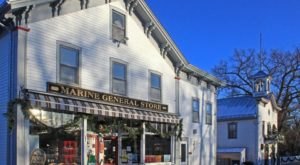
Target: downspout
x,y
178,68
215,127
201,125
257,135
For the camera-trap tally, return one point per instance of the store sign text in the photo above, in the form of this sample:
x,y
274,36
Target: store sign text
x,y
79,92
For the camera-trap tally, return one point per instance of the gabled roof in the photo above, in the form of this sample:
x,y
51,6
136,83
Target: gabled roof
x,y
145,15
237,108
259,74
243,107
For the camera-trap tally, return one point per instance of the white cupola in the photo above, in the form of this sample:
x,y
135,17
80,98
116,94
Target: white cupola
x,y
261,84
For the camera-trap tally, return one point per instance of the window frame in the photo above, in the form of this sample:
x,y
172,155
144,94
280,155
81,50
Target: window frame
x,y
150,86
208,114
112,62
166,148
198,110
67,45
123,13
234,135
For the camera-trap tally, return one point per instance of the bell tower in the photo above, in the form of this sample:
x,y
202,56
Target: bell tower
x,y
261,84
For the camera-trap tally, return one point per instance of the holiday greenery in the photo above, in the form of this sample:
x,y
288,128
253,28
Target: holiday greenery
x,y
105,126
10,114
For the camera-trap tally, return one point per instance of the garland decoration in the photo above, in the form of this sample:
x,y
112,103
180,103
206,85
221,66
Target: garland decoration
x,y
11,114
174,131
25,107
110,126
179,130
63,130
102,128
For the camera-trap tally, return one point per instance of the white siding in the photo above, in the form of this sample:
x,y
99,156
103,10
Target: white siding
x,y
202,145
269,115
246,136
5,48
90,30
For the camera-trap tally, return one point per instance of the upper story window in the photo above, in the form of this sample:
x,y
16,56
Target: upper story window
x,y
68,64
208,113
118,26
155,87
232,130
195,107
119,80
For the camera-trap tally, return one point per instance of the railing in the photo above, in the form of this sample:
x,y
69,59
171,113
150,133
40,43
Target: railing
x,y
286,160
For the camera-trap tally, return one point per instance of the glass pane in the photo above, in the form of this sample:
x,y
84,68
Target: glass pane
x,y
130,147
155,94
157,149
59,147
69,56
208,108
196,105
183,152
119,71
232,130
196,116
155,81
208,119
52,119
118,34
118,19
119,87
68,74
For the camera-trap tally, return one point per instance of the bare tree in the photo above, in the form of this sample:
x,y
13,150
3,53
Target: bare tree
x,y
283,67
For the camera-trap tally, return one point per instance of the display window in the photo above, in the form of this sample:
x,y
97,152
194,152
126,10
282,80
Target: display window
x,y
158,149
130,152
109,137
56,137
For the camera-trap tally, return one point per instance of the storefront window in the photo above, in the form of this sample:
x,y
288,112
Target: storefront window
x,y
130,150
158,149
56,137
108,137
102,142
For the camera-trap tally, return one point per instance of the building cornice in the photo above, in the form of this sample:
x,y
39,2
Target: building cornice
x,y
21,8
181,59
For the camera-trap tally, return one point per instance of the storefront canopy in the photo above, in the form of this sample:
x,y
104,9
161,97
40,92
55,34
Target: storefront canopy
x,y
66,104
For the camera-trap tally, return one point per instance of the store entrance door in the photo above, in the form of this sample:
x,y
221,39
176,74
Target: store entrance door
x,y
111,150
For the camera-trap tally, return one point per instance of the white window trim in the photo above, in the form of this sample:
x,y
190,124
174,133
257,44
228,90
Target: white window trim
x,y
236,130
110,22
161,86
197,99
208,102
66,44
112,60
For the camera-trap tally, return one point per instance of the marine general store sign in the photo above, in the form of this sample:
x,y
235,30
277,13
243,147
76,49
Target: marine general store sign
x,y
109,98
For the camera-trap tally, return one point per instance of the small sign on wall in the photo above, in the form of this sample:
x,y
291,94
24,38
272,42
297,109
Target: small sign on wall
x,y
37,157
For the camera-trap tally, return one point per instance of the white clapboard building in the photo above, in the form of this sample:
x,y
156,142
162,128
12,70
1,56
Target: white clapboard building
x,y
247,126
99,82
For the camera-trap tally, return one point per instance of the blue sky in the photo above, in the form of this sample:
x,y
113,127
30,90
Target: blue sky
x,y
207,31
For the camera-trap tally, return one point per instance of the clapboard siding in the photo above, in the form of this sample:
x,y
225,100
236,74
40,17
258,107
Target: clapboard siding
x,y
90,30
203,142
5,48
